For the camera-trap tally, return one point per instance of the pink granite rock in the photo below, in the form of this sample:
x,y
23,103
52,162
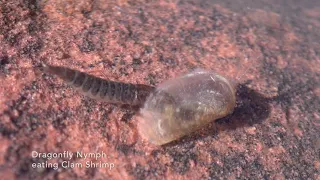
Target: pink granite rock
x,y
272,49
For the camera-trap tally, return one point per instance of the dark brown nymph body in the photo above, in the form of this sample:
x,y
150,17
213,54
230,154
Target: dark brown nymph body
x,y
101,89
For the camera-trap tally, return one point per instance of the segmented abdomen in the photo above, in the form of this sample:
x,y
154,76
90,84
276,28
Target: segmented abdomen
x,y
105,90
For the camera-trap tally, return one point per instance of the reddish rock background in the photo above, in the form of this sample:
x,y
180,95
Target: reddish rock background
x,y
272,47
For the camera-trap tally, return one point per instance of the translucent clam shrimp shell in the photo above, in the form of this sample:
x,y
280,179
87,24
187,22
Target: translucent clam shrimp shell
x,y
185,104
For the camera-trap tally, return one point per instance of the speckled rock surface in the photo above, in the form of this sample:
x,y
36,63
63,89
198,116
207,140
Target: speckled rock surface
x,y
272,49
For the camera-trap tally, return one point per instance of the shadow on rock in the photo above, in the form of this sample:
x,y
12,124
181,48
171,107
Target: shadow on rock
x,y
251,108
